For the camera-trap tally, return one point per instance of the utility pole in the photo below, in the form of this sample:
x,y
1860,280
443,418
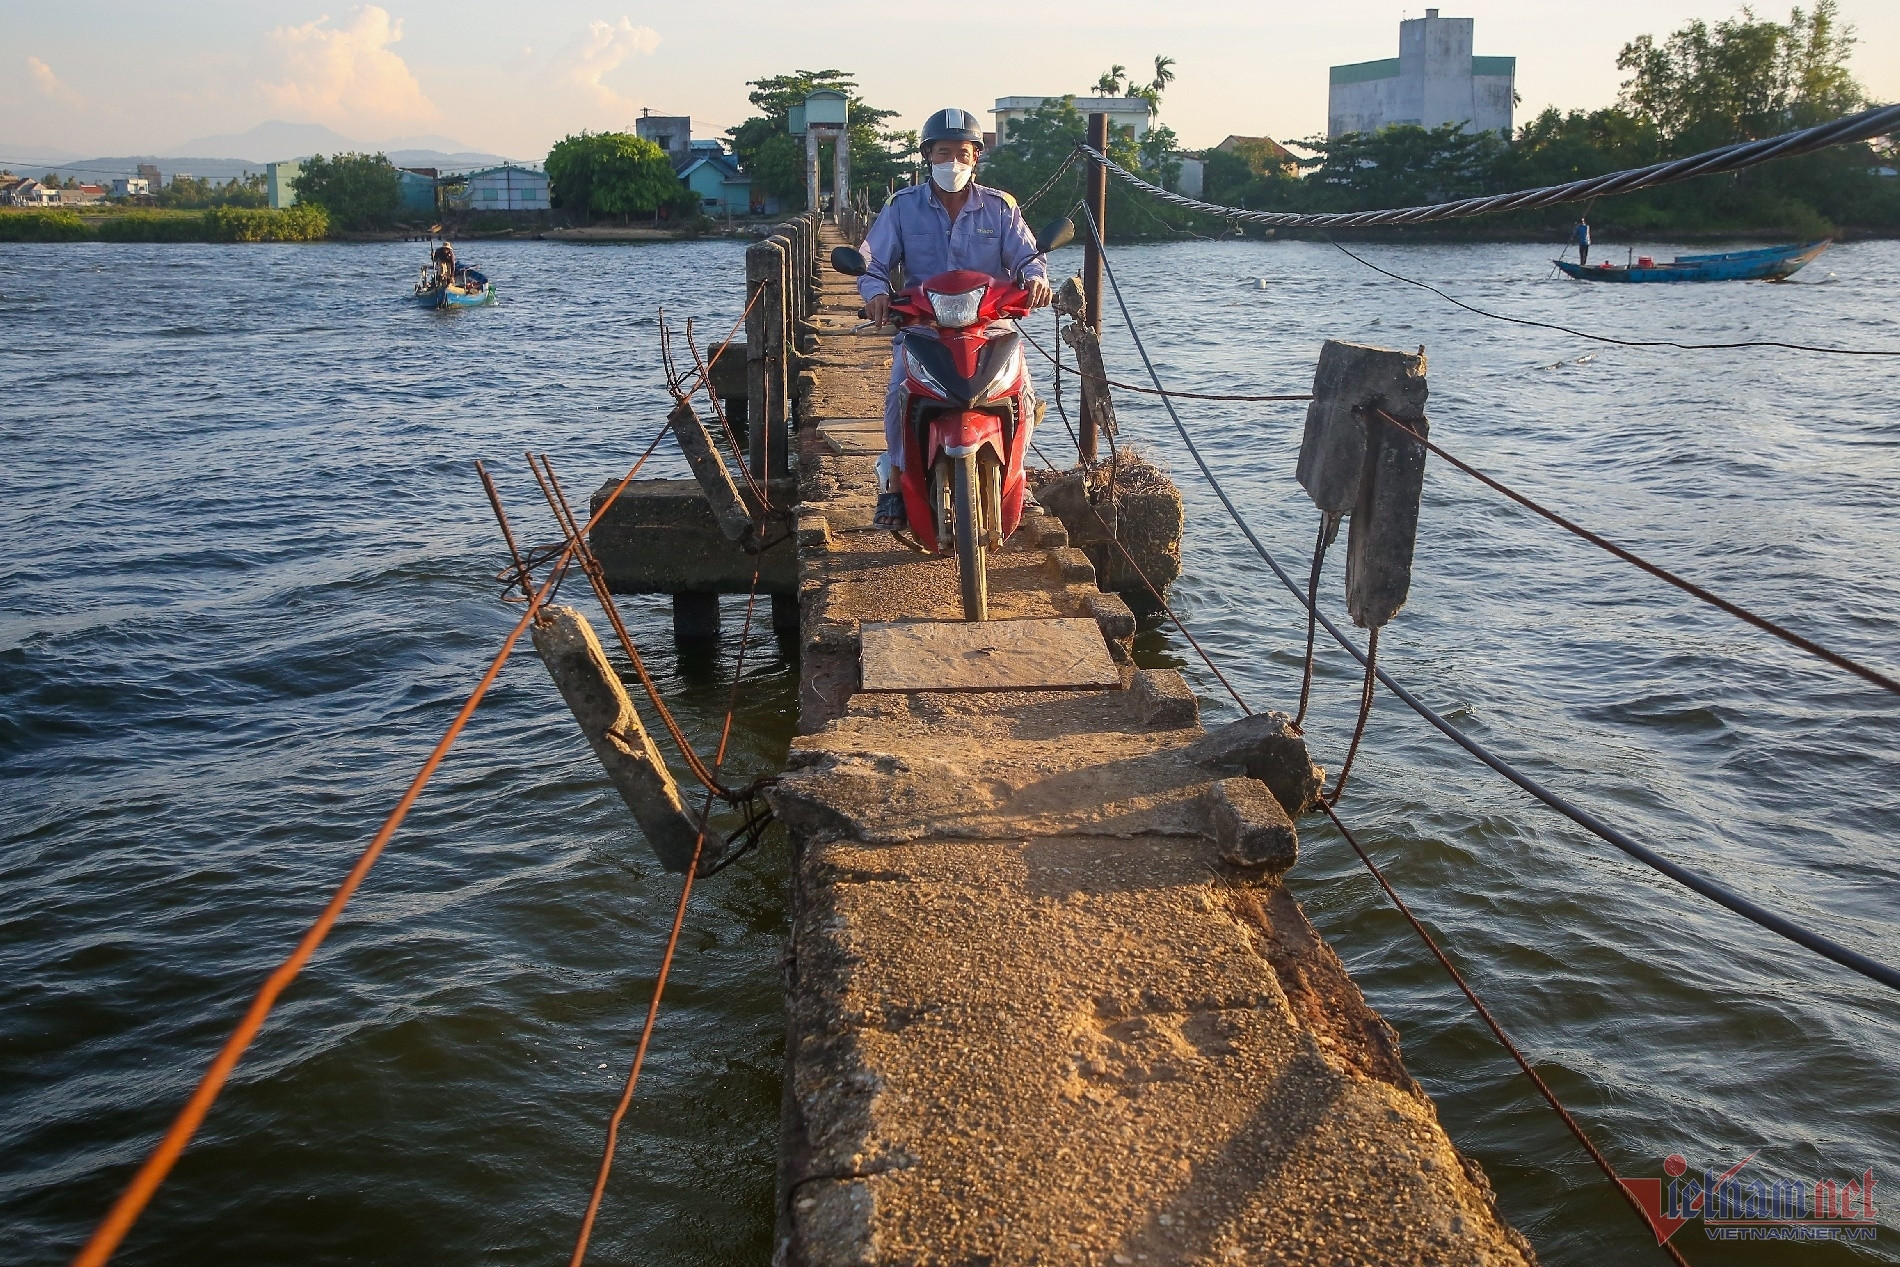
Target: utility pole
x,y
1097,199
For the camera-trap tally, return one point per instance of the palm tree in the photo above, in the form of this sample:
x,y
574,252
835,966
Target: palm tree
x,y
1164,74
1110,84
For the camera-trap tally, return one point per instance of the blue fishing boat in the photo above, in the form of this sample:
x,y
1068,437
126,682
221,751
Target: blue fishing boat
x,y
1768,263
445,284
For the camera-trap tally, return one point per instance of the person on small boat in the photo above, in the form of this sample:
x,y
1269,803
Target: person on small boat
x,y
444,264
1581,236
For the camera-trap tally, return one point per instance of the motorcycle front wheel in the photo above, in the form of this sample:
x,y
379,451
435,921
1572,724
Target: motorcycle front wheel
x,y
972,563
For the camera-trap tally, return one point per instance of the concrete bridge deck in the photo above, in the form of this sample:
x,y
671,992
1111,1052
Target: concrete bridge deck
x,y
1049,1001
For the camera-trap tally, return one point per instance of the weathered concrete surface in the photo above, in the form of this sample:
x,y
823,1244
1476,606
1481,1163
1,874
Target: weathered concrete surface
x,y
1048,1001
991,655
662,537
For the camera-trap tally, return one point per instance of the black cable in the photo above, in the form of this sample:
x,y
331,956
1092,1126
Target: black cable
x,y
1866,125
1873,969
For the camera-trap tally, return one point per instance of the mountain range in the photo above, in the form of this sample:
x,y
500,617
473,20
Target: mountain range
x,y
226,155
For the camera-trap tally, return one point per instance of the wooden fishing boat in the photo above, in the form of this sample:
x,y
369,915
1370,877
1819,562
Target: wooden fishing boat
x,y
469,289
1768,263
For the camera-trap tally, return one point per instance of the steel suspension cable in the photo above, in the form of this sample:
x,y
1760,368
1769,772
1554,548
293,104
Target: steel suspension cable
x,y
139,1191
1868,967
1863,126
666,960
1787,635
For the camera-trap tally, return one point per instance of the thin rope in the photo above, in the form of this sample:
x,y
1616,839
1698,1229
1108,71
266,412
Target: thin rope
x,y
1312,625
1365,712
1782,632
1605,338
1497,1030
666,960
1149,391
138,1193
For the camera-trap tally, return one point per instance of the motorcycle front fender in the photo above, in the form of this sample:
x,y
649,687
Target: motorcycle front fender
x,y
955,434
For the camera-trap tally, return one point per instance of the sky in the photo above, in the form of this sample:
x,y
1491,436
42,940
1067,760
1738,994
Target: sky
x,y
101,77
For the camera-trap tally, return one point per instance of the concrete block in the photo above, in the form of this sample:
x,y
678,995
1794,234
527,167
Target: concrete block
x,y
1384,526
1113,615
1251,830
1267,747
729,372
812,529
1166,698
1351,376
1070,566
990,655
661,537
599,702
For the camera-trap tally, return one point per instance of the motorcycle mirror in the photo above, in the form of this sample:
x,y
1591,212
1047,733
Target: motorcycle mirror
x,y
1056,233
849,261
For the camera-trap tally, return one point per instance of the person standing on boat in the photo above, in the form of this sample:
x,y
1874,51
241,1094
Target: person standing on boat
x,y
445,263
1581,236
947,222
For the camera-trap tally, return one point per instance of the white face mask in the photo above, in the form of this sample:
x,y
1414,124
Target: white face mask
x,y
951,177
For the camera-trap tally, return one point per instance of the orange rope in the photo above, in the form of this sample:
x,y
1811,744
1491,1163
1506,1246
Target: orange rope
x,y
138,1193
666,960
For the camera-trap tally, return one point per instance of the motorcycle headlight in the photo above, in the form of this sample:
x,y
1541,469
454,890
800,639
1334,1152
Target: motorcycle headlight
x,y
918,371
954,312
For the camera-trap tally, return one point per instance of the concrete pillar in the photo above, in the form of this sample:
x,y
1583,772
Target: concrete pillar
x,y
1384,526
695,616
709,468
599,702
1098,408
765,270
841,178
811,168
785,613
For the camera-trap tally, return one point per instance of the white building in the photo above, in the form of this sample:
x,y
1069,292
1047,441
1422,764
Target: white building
x,y
507,188
1433,81
1121,111
277,180
130,186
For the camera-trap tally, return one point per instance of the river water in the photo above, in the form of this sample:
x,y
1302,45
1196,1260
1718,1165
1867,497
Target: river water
x,y
250,582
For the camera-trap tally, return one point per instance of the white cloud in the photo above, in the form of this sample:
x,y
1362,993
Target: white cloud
x,y
600,50
49,84
347,74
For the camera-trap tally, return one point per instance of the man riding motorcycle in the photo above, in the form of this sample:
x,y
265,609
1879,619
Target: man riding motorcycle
x,y
948,222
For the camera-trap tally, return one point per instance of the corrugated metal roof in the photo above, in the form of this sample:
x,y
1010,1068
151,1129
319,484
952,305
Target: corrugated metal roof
x,y
1365,72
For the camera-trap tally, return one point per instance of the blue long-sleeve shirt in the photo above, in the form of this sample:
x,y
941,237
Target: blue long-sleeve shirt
x,y
1581,234
914,230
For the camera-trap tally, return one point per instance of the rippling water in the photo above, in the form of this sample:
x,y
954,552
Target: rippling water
x,y
250,583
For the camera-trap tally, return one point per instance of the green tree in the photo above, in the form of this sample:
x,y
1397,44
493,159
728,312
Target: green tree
x,y
614,173
776,160
1038,142
1742,79
358,191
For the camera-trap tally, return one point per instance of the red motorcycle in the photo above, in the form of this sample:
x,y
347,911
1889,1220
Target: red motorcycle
x,y
964,394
